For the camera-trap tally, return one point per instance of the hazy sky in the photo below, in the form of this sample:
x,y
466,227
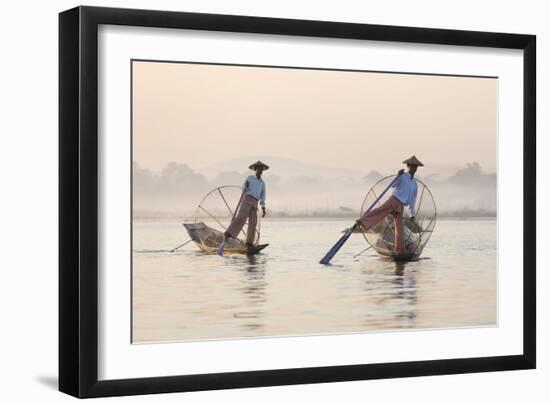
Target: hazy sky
x,y
201,115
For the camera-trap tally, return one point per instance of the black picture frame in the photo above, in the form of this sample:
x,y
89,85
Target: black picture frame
x,y
78,201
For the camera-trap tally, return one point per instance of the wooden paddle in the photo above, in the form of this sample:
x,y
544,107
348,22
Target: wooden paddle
x,y
336,247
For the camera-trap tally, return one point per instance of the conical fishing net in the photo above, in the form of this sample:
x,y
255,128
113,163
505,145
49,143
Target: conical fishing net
x,y
417,233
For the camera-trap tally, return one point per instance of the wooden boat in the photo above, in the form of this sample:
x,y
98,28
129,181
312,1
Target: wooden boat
x,y
385,245
209,239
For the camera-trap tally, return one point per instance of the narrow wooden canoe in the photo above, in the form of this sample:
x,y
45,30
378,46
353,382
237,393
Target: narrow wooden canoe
x,y
249,251
208,240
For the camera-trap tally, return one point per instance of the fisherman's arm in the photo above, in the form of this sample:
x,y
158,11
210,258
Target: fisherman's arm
x,y
412,204
262,200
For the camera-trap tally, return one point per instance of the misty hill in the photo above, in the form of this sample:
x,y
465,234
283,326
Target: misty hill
x,y
279,167
285,168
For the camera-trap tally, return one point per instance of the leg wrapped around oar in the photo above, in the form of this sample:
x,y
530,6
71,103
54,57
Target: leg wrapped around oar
x,y
391,207
247,210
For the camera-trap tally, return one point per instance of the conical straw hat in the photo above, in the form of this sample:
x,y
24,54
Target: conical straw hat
x,y
413,161
258,163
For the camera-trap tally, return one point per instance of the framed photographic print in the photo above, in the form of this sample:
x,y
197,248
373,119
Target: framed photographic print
x,y
250,201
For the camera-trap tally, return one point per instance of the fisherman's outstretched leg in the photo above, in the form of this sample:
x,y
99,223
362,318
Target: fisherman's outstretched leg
x,y
395,208
375,216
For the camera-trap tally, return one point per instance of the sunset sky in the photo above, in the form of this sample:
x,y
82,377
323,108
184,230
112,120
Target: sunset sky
x,y
202,115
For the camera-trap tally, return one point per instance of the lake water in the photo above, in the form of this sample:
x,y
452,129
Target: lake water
x,y
189,295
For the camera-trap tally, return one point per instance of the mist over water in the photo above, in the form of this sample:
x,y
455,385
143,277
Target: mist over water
x,y
188,295
296,188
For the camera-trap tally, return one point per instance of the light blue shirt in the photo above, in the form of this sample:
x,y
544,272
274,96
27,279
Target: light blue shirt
x,y
405,191
255,187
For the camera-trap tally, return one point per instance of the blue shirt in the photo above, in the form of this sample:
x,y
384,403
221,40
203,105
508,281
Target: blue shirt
x,y
255,187
405,191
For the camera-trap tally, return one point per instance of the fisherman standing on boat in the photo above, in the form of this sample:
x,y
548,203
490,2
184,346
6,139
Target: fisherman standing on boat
x,y
404,195
253,192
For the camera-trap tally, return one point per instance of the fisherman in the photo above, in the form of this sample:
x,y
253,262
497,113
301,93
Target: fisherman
x,y
253,192
404,195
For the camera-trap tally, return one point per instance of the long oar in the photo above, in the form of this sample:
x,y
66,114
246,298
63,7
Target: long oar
x,y
336,247
222,244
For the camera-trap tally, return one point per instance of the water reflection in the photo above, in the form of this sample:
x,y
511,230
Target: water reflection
x,y
405,281
254,291
391,293
189,295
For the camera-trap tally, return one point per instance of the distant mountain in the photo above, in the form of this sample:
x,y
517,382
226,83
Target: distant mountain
x,y
285,168
280,167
